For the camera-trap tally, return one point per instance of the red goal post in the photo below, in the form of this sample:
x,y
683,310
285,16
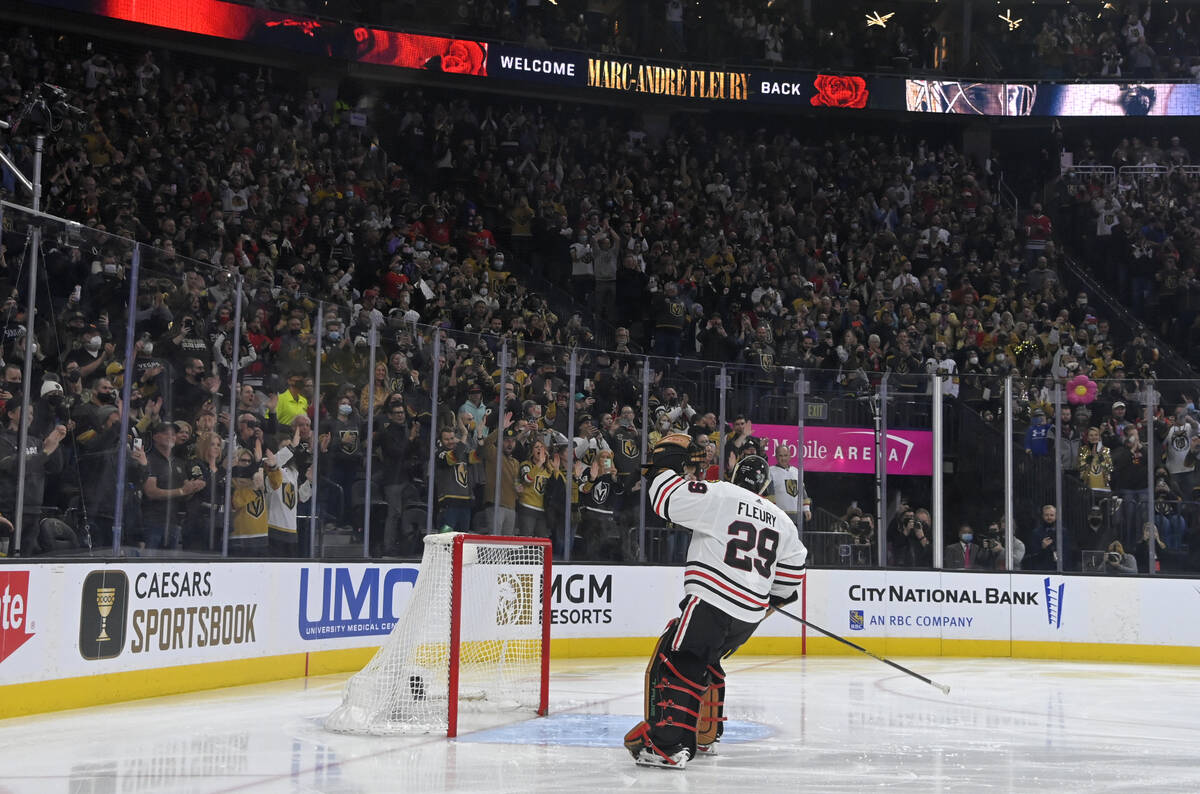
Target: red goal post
x,y
456,618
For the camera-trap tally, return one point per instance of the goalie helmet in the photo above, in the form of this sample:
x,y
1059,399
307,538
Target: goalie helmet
x,y
675,452
751,473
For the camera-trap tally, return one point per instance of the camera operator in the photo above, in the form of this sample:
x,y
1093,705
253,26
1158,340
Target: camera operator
x,y
862,536
909,541
991,542
1116,561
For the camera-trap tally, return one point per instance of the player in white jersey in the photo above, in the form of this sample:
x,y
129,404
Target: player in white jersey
x,y
786,492
745,557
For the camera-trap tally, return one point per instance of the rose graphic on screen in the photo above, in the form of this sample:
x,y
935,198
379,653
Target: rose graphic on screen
x,y
840,91
465,57
455,56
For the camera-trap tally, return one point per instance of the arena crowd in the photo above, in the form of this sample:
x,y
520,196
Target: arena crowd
x,y
471,226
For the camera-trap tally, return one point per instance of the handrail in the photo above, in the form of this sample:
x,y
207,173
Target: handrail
x,y
1007,195
1106,171
1142,171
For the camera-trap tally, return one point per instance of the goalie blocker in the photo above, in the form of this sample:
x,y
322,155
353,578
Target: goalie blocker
x,y
745,556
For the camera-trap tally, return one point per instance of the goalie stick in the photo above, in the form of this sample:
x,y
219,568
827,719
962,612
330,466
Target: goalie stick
x,y
944,687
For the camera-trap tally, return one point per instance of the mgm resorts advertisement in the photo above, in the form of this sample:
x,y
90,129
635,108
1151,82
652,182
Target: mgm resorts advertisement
x,y
685,82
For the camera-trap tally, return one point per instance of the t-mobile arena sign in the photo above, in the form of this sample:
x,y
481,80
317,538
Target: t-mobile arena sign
x,y
851,450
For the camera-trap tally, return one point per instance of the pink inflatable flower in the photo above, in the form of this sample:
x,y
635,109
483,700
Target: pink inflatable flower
x,y
1081,390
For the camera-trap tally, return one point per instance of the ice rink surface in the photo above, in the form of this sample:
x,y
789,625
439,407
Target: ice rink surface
x,y
818,724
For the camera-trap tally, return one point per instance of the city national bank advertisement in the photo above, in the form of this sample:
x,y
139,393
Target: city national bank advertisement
x,y
1035,614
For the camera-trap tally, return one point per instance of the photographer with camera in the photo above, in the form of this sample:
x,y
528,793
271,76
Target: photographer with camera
x,y
991,555
1097,533
909,541
1117,561
861,529
966,554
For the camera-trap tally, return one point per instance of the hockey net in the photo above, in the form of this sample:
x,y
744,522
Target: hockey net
x,y
474,636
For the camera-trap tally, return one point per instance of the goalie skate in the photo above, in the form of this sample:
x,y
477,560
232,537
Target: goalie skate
x,y
646,753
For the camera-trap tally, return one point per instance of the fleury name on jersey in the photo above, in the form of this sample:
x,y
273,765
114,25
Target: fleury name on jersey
x,y
755,512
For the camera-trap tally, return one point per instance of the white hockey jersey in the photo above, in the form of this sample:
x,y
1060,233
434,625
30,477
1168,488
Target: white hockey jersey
x,y
785,487
744,550
283,498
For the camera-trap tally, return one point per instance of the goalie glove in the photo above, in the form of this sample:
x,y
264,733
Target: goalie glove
x,y
675,452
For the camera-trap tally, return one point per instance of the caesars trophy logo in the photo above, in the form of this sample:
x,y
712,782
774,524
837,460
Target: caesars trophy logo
x,y
514,603
102,611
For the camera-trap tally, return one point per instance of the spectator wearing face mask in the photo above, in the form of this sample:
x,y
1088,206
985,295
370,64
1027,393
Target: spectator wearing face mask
x,y
965,554
248,528
188,391
347,449
91,417
93,354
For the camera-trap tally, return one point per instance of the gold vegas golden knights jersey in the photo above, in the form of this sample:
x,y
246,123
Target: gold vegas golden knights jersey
x,y
744,549
250,511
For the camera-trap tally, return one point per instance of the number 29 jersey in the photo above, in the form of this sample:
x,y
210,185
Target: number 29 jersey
x,y
744,550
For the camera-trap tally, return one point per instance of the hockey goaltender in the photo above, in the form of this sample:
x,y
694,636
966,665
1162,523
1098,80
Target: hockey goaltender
x,y
745,557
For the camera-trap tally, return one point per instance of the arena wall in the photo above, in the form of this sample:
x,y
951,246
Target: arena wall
x,y
177,627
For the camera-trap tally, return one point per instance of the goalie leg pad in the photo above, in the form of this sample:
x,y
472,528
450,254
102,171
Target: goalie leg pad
x,y
674,708
675,683
654,665
712,711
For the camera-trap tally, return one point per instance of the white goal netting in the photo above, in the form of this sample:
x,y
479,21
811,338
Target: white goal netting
x,y
405,688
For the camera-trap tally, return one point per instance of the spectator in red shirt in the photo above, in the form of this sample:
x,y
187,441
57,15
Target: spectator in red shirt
x,y
1038,229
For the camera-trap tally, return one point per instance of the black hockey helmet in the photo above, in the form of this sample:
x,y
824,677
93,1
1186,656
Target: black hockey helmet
x,y
675,452
751,473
